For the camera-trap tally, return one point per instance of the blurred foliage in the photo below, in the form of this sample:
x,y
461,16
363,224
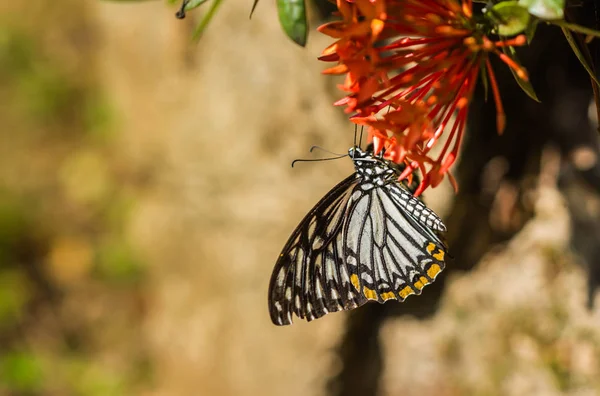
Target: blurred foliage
x,y
72,285
292,16
67,268
21,372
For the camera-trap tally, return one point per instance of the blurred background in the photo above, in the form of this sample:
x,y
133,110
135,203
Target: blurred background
x,y
145,193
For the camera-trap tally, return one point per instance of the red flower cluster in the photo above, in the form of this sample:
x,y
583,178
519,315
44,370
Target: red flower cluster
x,y
411,68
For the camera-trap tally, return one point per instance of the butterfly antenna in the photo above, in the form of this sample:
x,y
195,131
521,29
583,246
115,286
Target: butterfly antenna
x,y
327,151
362,128
318,159
181,13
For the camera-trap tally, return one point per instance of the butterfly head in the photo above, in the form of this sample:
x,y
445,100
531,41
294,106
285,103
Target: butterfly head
x,y
372,169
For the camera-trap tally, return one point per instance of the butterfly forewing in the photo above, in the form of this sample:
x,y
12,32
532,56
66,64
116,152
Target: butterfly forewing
x,y
290,289
367,239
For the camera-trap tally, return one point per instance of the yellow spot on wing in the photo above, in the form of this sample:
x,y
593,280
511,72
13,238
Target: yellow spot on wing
x,y
433,271
354,280
421,283
370,294
439,256
407,291
431,247
388,296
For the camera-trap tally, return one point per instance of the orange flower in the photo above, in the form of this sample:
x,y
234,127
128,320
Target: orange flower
x,y
411,67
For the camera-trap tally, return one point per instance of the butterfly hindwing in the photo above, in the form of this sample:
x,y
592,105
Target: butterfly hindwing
x,y
415,253
389,253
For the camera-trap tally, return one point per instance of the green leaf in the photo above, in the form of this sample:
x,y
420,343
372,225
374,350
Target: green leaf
x,y
511,18
577,28
531,29
206,20
484,79
191,4
292,16
579,55
545,9
524,84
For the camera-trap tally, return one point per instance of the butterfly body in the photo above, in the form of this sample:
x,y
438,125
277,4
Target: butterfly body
x,y
368,239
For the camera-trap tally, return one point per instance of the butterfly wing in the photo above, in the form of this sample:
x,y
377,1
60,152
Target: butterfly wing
x,y
306,277
390,253
355,246
417,209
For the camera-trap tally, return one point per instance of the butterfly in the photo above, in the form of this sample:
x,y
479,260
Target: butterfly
x,y
368,239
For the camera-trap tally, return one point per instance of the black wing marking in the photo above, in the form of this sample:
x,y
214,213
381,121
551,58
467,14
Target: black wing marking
x,y
307,276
